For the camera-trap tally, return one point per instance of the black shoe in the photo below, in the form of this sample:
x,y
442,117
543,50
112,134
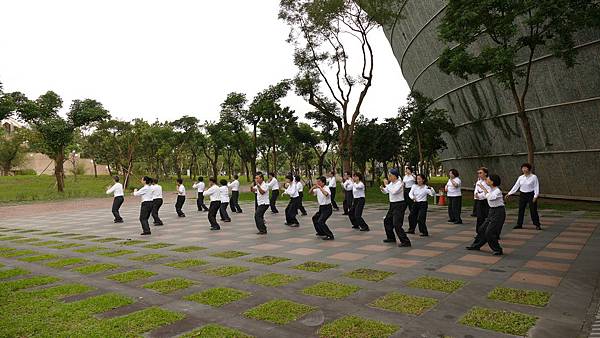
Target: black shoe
x,y
261,233
424,235
355,227
458,222
304,214
119,221
365,229
145,233
472,248
328,238
404,245
336,209
182,215
451,221
537,227
345,214
387,240
473,215
213,228
227,220
158,224
412,232
295,225
274,212
497,253
518,227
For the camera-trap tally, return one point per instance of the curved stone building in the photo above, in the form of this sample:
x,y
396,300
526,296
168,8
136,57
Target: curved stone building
x,y
563,107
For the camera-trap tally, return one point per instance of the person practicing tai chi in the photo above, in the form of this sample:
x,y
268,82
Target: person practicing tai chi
x,y
332,184
291,189
492,226
180,198
481,205
118,198
224,195
321,190
358,203
157,201
528,187
273,185
409,180
146,208
200,187
214,194
418,193
347,187
394,218
261,190
235,195
300,185
454,194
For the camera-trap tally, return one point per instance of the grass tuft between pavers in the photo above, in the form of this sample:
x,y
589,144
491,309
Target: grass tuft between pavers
x,y
157,245
514,323
85,237
169,285
520,296
10,238
95,268
279,311
268,260
315,266
61,263
46,243
230,254
117,253
66,235
4,274
20,284
189,248
226,271
356,327
130,276
49,233
132,242
148,257
66,246
437,284
27,240
331,290
216,331
273,279
187,263
218,297
398,302
38,258
90,249
369,274
17,253
107,239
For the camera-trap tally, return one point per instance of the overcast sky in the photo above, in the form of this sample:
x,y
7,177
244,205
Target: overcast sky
x,y
162,59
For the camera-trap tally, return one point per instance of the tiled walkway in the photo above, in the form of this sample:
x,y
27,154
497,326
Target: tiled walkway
x,y
562,259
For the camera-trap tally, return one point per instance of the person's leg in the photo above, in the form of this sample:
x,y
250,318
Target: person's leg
x,y
480,239
181,207
451,209
204,207
287,212
316,224
212,214
333,204
156,204
458,209
533,210
117,202
199,201
301,204
422,219
326,211
412,218
345,203
497,217
522,205
224,214
351,213
479,212
221,213
259,218
358,215
145,211
273,201
294,211
398,220
388,225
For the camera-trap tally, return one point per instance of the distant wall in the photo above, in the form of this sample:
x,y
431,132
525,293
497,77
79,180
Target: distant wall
x,y
42,164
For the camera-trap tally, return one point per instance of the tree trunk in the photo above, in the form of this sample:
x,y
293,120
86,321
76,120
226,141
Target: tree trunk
x,y
109,169
528,136
254,150
59,171
247,171
274,155
95,169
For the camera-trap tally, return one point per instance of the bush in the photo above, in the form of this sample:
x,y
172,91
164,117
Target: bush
x,y
24,172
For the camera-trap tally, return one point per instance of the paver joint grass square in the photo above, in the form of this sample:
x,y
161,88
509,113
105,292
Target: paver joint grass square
x,y
169,285
25,283
514,323
61,263
189,248
148,257
331,290
132,242
66,246
356,327
116,253
230,254
226,271
46,243
273,279
95,268
106,239
187,263
369,274
520,296
39,258
218,297
268,260
438,284
216,331
398,302
279,311
157,245
89,249
17,253
130,276
315,266
12,273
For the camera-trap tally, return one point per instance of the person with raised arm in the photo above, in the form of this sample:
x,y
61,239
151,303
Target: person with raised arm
x,y
358,203
453,191
200,188
214,194
291,189
321,190
261,189
492,226
419,193
118,198
528,187
394,218
145,193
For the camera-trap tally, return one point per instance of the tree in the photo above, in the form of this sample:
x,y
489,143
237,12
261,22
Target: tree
x,y
12,150
324,138
234,113
491,37
53,134
188,129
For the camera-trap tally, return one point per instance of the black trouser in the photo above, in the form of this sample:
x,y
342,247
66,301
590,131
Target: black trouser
x,y
145,211
333,204
291,211
117,202
179,205
393,222
259,217
490,229
156,204
355,213
273,200
223,211
524,199
300,205
212,214
320,220
454,208
234,201
347,201
418,214
409,205
200,202
482,209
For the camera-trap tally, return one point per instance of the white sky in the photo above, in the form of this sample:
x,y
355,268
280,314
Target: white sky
x,y
162,59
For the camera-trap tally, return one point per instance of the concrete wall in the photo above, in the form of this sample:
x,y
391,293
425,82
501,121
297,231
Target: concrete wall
x,y
44,165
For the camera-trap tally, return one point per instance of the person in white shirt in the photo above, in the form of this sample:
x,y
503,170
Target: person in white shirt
x,y
491,228
224,195
528,187
157,201
394,218
262,202
453,191
180,198
358,203
300,185
409,180
292,208
332,184
347,186
117,190
418,193
273,185
200,200
235,195
214,194
146,209
481,205
321,190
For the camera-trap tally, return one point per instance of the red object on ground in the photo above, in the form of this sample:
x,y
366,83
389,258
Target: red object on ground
x,y
442,200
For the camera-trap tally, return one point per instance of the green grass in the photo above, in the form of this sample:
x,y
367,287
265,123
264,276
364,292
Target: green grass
x,y
187,263
107,240
117,253
132,242
438,284
17,253
268,260
315,266
279,311
230,254
130,276
10,238
190,248
49,232
85,237
27,231
90,249
331,290
25,283
148,257
39,258
69,235
4,274
514,323
169,285
66,246
215,331
218,297
398,302
520,296
356,327
95,268
61,263
273,279
157,245
47,243
225,271
27,240
369,274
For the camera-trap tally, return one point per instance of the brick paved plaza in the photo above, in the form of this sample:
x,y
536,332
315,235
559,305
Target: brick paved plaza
x,y
561,261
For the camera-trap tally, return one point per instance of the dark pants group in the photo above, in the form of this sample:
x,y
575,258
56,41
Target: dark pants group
x,y
179,205
393,222
409,205
156,204
454,209
291,211
418,216
355,214
145,211
213,208
200,202
333,204
117,202
320,220
234,202
259,217
300,204
526,198
273,201
489,231
223,212
347,201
